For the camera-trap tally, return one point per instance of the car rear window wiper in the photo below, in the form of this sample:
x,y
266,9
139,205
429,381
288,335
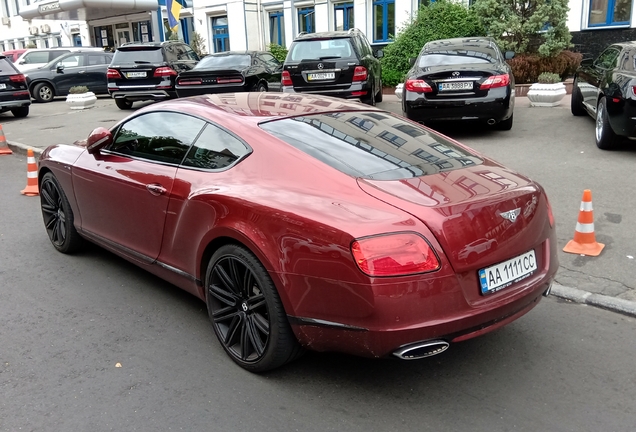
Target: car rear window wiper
x,y
329,57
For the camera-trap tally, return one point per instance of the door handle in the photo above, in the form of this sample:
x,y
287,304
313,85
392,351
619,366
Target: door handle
x,y
156,189
81,71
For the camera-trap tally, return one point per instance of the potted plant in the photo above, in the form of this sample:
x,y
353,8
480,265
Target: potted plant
x,y
80,98
548,91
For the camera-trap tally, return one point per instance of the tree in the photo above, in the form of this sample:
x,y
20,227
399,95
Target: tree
x,y
197,43
526,27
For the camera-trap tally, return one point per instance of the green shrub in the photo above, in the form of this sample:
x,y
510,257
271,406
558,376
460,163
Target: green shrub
x,y
527,27
78,90
197,43
526,68
278,51
549,78
442,19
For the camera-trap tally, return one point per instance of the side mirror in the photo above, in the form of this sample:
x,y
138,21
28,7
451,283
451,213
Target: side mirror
x,y
98,139
412,61
509,55
59,67
379,54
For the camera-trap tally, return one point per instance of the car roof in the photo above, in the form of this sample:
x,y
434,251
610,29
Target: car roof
x,y
326,35
226,53
477,42
258,107
149,44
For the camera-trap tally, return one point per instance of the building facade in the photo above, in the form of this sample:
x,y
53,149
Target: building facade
x,y
254,24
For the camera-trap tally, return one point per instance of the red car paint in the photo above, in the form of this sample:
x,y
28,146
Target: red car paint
x,y
300,218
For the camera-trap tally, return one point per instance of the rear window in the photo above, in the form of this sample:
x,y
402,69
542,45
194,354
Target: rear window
x,y
6,68
138,55
321,50
378,146
233,61
457,56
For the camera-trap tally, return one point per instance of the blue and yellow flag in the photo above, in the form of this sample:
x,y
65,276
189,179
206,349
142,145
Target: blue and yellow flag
x,y
174,10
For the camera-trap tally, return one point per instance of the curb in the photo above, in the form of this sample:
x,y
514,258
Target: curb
x,y
22,148
618,305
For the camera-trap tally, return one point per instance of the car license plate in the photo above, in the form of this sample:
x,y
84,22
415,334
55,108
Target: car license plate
x,y
506,273
136,74
321,76
456,86
3,86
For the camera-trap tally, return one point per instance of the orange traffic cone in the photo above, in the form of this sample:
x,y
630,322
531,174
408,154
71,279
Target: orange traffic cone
x,y
584,241
31,188
4,148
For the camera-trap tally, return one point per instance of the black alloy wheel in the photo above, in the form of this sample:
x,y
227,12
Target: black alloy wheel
x,y
43,93
246,312
370,99
260,88
379,95
123,104
58,216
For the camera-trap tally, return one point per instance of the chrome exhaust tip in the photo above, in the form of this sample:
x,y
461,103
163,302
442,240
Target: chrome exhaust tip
x,y
491,121
547,292
420,350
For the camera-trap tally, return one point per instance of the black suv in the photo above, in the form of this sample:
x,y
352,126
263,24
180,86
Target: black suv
x,y
339,63
14,94
147,71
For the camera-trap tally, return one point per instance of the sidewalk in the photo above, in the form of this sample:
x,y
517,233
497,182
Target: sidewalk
x,y
55,123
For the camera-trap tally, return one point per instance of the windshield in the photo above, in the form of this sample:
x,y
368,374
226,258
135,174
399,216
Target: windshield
x,y
457,57
371,145
232,61
321,50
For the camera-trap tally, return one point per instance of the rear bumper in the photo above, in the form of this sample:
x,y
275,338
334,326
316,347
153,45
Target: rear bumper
x,y
16,102
498,106
351,92
141,95
200,90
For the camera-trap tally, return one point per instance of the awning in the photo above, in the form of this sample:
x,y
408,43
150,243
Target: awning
x,y
85,10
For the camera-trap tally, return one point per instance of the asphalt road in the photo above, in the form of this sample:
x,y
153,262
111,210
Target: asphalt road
x,y
66,321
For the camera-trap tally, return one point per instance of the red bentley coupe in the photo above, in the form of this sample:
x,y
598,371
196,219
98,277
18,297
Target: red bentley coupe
x,y
306,222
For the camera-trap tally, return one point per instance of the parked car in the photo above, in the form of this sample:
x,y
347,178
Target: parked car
x,y
460,79
14,94
604,88
14,54
231,71
72,69
37,57
218,194
338,63
148,71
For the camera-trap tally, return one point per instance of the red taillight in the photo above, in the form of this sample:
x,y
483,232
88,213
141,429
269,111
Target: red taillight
x,y
229,80
360,73
193,81
394,255
18,78
418,86
495,81
164,71
286,79
358,93
550,214
112,74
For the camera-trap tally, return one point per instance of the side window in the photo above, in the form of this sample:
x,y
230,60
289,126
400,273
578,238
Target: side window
x,y
72,61
157,136
52,55
215,149
171,55
97,59
36,57
607,59
191,55
270,60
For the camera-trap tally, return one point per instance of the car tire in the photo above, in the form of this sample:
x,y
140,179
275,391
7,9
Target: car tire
x,y
20,112
505,125
576,102
260,88
369,100
246,312
379,96
606,139
58,216
43,93
123,104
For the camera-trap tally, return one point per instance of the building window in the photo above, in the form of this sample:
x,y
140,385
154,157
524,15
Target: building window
x,y
610,12
277,28
220,34
383,20
306,20
343,16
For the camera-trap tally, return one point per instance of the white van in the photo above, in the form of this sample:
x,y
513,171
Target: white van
x,y
36,57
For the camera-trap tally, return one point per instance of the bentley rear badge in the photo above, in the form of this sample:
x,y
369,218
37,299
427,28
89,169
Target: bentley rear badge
x,y
511,215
